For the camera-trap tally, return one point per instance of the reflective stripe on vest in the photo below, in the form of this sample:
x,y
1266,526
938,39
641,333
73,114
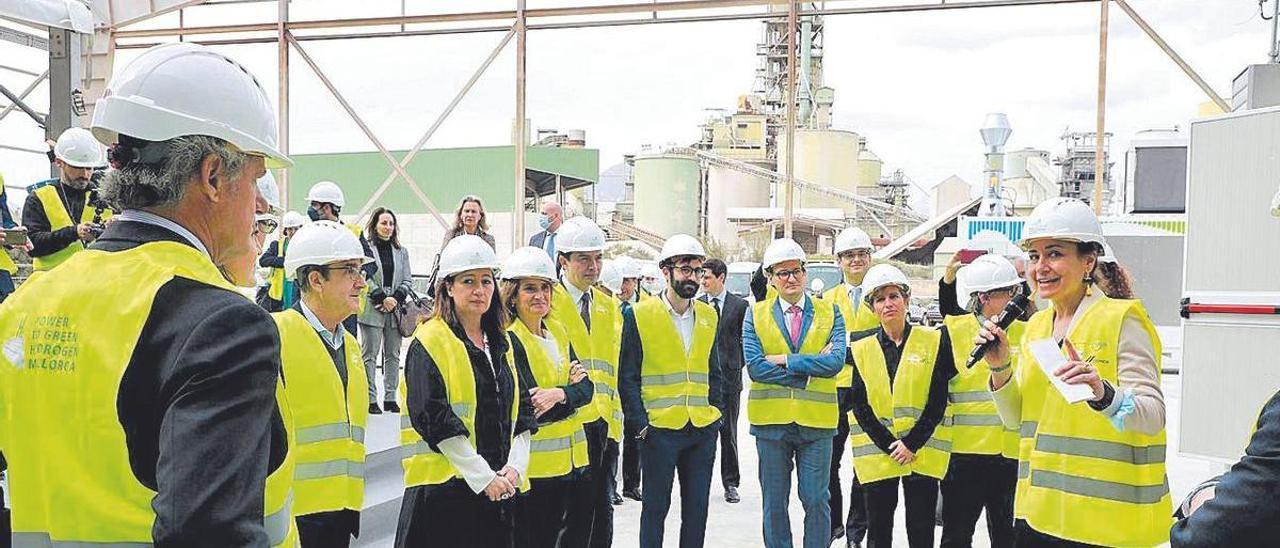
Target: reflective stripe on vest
x,y
675,384
559,447
422,466
56,213
1085,476
902,402
70,478
597,349
857,319
815,405
329,417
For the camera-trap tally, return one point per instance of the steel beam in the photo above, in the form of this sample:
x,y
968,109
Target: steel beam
x,y
16,100
790,173
508,16
1100,151
65,75
382,188
30,87
413,185
24,39
282,80
521,137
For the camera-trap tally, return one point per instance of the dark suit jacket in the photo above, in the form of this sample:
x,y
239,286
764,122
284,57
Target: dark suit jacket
x,y
1243,511
729,337
537,240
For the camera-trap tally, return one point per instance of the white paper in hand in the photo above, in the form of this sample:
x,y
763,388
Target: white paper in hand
x,y
1050,359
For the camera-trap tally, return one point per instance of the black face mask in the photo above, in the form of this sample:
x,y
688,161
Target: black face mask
x,y
313,213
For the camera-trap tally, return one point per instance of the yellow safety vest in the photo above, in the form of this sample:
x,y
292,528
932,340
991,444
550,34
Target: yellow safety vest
x,y
330,422
977,429
422,464
857,319
597,349
276,288
560,447
899,407
815,405
1088,481
66,345
60,219
675,385
6,262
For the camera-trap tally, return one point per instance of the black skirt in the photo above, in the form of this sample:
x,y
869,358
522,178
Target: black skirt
x,y
450,515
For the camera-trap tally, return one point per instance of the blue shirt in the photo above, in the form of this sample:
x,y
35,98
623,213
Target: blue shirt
x,y
800,367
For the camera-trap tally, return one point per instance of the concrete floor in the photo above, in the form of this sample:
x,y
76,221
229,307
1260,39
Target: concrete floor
x,y
728,525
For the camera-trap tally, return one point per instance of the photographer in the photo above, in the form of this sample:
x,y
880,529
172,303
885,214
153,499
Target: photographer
x,y
63,215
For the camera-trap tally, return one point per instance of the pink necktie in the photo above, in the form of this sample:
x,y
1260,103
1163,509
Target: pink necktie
x,y
796,317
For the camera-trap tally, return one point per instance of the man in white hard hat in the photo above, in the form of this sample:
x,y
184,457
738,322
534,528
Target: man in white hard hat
x,y
326,201
592,320
63,215
794,346
630,270
155,419
853,249
326,383
671,393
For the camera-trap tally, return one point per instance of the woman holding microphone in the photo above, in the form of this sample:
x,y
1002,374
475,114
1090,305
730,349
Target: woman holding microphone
x,y
1092,472
552,512
465,436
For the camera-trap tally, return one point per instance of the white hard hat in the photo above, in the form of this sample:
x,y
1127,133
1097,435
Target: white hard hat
x,y
293,219
679,245
659,283
321,243
988,273
1108,256
267,187
627,267
466,252
782,250
178,89
327,192
1062,219
883,275
77,147
610,275
852,238
529,262
580,234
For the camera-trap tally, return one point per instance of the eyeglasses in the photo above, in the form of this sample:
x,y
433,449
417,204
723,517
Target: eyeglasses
x,y
267,225
861,255
352,272
690,271
793,273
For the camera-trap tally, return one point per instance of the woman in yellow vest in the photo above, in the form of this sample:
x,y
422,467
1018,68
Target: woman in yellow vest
x,y
1092,472
984,453
280,292
465,435
899,400
557,505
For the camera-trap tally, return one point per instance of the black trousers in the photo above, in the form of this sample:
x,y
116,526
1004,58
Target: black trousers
x,y
630,460
729,473
921,498
555,512
1024,535
856,522
975,483
603,453
327,529
451,515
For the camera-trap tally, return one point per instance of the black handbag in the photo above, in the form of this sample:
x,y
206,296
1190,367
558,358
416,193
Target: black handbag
x,y
414,311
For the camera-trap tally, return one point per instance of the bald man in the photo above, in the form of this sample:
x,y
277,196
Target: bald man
x,y
549,220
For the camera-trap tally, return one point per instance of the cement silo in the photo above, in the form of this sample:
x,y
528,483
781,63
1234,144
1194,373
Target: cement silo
x,y
825,157
667,193
869,169
728,188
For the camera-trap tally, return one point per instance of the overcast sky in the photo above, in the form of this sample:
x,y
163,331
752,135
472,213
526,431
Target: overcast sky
x,y
917,85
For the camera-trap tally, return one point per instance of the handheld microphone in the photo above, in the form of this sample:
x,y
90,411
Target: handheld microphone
x,y
1012,311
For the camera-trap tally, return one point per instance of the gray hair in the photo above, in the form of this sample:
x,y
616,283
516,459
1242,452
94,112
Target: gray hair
x,y
138,185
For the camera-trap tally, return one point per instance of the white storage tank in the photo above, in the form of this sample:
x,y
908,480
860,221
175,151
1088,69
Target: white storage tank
x,y
667,193
825,157
729,188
